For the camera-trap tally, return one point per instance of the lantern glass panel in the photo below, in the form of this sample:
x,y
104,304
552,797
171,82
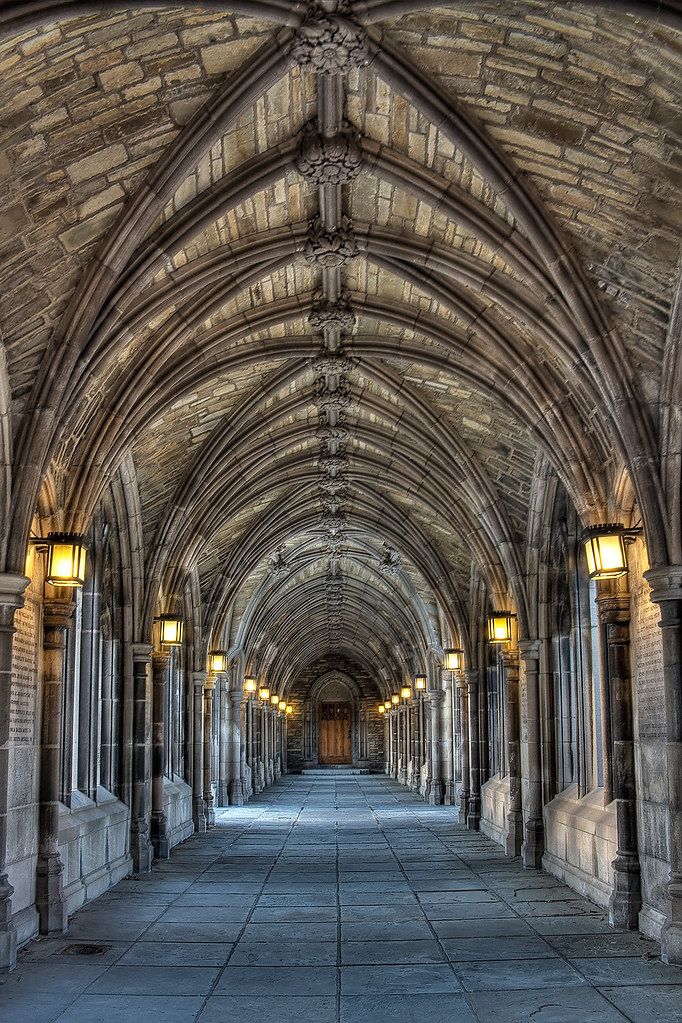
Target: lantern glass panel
x,y
217,660
171,630
406,692
452,660
420,682
499,627
395,698
249,684
264,694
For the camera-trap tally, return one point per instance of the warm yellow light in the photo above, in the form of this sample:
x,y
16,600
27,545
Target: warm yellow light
x,y
381,709
395,698
406,692
605,551
171,630
217,661
274,699
420,682
500,627
452,659
264,694
282,704
289,709
249,684
66,557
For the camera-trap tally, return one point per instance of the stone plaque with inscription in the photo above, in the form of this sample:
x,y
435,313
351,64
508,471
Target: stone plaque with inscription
x,y
22,716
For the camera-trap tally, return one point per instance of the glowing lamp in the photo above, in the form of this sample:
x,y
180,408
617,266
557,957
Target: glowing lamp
x,y
217,661
282,704
406,692
500,626
452,659
395,699
289,709
605,551
249,684
274,700
420,682
264,694
66,556
171,630
381,708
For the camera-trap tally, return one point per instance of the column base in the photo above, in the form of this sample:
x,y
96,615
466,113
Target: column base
x,y
474,814
463,807
236,794
159,836
140,847
199,815
450,795
223,794
626,898
209,810
514,836
49,899
434,792
533,845
8,933
671,938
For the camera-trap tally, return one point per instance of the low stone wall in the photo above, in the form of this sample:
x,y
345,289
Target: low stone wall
x,y
494,805
177,797
94,846
580,842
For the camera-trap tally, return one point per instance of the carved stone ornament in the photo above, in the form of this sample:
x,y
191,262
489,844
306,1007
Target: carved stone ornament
x,y
330,249
339,314
327,363
329,161
336,434
333,484
326,398
332,464
330,44
278,565
333,523
390,561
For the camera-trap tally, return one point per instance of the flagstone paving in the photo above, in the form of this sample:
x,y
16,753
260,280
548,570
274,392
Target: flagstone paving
x,y
341,901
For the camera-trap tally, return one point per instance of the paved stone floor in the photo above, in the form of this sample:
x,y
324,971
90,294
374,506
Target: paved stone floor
x,y
347,902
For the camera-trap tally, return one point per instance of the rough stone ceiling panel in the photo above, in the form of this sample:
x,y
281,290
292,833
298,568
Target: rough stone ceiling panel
x,y
586,102
86,107
166,450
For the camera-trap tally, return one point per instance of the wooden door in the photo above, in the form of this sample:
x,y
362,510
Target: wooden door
x,y
335,745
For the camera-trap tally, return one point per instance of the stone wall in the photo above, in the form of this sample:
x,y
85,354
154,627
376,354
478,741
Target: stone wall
x,y
580,842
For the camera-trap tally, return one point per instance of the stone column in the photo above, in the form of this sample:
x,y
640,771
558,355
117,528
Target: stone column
x,y
474,813
159,822
514,835
140,846
209,809
394,737
224,757
447,746
199,681
387,743
666,584
614,617
416,745
11,599
402,744
434,789
236,791
464,746
533,826
57,617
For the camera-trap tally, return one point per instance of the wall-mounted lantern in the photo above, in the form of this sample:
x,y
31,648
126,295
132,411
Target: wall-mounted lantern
x,y
395,699
171,630
66,558
500,626
453,659
217,661
605,550
250,685
264,695
420,683
406,692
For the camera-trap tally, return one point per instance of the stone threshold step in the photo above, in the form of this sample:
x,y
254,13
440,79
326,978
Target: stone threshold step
x,y
333,772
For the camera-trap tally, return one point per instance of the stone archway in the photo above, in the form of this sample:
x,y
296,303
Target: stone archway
x,y
326,699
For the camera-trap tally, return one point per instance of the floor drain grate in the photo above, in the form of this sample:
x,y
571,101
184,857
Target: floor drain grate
x,y
85,950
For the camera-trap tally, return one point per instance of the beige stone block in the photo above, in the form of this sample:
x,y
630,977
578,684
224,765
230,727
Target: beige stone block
x,y
96,163
122,74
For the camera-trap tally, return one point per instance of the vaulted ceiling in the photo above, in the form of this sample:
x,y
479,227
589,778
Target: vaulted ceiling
x,y
339,277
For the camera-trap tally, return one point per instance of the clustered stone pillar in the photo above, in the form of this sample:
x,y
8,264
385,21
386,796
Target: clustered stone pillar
x,y
140,846
666,585
614,617
57,617
209,802
11,599
434,787
198,681
240,713
159,821
474,814
514,836
448,744
533,826
464,745
224,749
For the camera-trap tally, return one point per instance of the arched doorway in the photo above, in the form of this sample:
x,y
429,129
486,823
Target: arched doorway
x,y
336,722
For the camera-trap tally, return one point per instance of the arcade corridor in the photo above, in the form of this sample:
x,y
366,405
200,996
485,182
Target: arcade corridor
x,y
341,901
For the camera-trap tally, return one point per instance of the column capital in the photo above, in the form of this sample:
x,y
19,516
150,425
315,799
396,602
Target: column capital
x,y
510,659
141,652
665,583
613,607
237,696
12,590
529,649
199,679
161,659
209,684
472,676
57,613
